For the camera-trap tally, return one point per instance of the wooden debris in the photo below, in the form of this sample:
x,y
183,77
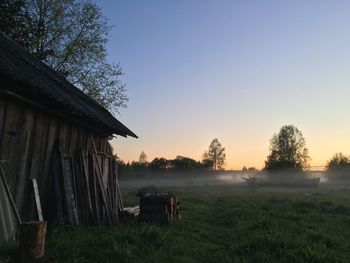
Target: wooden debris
x,y
130,212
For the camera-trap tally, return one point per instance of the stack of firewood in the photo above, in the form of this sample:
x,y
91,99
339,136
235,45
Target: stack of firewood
x,y
158,207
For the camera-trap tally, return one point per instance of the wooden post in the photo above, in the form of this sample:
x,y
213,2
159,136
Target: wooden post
x,y
37,200
32,240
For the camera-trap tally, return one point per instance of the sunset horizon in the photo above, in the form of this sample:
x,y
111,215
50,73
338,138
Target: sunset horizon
x,y
235,71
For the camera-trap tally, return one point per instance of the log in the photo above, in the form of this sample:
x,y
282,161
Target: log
x,y
32,240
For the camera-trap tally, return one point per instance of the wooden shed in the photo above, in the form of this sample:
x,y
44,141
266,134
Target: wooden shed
x,y
52,132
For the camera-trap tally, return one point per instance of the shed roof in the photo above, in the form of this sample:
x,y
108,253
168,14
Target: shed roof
x,y
35,80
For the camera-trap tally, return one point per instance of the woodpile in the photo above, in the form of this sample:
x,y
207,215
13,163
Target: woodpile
x,y
158,207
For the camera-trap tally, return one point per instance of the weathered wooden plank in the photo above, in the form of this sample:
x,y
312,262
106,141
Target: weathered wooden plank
x,y
24,153
93,189
40,136
9,144
86,176
64,136
73,143
100,181
105,173
58,183
48,180
37,200
3,104
35,157
69,191
83,193
120,199
9,196
15,147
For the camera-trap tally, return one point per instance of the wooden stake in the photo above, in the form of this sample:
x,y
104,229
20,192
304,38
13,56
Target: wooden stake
x,y
37,200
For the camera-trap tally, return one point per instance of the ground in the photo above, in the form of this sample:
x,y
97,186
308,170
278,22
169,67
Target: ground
x,y
218,224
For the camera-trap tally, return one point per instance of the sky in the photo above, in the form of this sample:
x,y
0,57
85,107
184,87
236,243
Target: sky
x,y
238,71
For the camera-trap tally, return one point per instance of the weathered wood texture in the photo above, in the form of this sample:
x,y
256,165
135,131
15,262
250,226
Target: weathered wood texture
x,y
28,145
32,241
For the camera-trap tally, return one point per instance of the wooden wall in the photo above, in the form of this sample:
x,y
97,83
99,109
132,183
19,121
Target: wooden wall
x,y
27,145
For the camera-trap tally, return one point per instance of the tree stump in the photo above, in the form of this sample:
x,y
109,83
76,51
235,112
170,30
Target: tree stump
x,y
32,240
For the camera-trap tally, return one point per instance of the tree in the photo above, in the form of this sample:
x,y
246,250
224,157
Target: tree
x,y
143,158
70,36
338,165
215,155
160,163
287,150
183,163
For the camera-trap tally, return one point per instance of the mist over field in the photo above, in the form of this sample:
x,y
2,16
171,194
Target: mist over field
x,y
197,179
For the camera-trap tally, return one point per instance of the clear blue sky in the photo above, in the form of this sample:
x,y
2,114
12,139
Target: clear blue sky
x,y
235,70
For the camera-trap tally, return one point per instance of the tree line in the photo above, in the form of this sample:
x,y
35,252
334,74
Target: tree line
x,y
213,159
288,155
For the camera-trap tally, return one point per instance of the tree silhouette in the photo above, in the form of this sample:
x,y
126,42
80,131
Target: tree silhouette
x,y
183,163
160,164
71,37
215,155
338,165
287,150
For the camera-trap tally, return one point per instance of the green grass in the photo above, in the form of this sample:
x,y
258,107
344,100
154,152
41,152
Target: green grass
x,y
219,224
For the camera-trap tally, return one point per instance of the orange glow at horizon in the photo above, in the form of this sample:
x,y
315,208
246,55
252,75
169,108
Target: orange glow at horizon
x,y
247,152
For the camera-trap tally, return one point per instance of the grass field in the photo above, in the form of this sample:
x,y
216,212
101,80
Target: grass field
x,y
219,224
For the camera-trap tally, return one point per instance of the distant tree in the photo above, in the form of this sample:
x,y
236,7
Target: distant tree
x,y
287,151
70,36
137,166
159,163
207,164
244,169
183,163
143,158
338,166
215,155
120,162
